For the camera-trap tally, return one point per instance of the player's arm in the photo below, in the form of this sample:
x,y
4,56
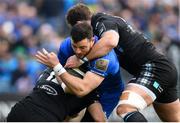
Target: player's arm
x,y
109,38
96,112
106,43
80,87
107,31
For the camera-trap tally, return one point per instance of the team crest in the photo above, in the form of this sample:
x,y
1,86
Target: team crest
x,y
102,64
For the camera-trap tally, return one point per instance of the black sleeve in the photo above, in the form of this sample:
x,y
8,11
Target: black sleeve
x,y
44,75
104,26
102,23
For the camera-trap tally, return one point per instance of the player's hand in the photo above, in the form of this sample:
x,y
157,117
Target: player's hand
x,y
49,59
73,62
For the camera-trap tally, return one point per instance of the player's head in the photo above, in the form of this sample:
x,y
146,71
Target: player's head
x,y
79,12
82,38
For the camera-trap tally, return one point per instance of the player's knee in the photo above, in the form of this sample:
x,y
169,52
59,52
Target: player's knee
x,y
114,117
123,109
130,114
131,100
129,105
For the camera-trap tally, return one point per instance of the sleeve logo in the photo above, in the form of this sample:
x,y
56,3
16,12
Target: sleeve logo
x,y
102,64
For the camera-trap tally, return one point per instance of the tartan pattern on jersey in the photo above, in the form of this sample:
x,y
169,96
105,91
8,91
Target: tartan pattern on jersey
x,y
146,75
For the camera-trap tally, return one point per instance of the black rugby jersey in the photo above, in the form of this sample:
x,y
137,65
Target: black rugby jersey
x,y
50,96
133,48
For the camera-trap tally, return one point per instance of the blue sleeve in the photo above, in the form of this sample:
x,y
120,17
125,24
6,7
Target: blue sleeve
x,y
106,65
65,51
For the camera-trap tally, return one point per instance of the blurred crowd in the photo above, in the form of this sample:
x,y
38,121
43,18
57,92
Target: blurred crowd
x,y
30,25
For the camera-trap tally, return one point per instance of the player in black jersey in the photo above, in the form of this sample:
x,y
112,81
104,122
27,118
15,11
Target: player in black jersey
x,y
48,101
155,78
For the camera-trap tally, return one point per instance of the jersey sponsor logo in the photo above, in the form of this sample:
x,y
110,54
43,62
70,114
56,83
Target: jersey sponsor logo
x,y
102,64
157,86
49,90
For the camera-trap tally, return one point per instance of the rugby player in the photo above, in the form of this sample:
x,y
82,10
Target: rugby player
x,y
103,73
49,102
155,77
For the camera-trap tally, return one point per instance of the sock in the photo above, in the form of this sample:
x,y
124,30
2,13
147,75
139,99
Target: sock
x,y
135,116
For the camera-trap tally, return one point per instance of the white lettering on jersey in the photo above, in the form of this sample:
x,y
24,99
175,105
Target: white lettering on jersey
x,y
49,90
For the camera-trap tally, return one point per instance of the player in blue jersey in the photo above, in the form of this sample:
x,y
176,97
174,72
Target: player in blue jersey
x,y
155,77
103,74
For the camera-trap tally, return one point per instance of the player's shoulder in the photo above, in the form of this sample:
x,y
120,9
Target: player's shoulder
x,y
109,59
99,14
101,64
66,43
96,17
111,55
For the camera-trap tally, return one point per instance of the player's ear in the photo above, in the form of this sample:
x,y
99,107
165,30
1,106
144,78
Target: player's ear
x,y
92,40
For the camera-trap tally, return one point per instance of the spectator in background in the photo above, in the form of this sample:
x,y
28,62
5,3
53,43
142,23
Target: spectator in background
x,y
51,12
19,23
48,38
8,63
20,77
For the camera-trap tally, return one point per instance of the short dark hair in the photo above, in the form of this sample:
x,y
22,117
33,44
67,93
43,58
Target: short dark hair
x,y
81,31
79,12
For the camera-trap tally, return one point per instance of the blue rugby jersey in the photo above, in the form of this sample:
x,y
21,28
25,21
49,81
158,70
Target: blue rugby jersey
x,y
108,67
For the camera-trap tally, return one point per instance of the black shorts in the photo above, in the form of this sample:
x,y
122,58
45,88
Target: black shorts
x,y
160,76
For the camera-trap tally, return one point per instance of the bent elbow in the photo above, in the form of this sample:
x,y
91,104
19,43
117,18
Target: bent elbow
x,y
112,39
112,44
82,93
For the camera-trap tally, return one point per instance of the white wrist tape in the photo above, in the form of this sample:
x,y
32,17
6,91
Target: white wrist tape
x,y
59,69
85,59
81,61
